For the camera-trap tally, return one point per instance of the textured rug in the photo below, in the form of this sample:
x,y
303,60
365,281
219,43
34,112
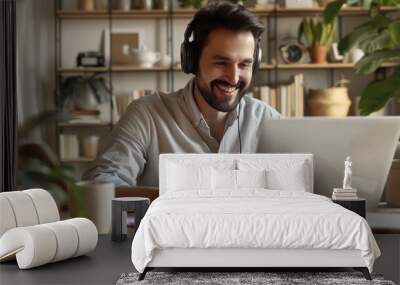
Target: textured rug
x,y
243,278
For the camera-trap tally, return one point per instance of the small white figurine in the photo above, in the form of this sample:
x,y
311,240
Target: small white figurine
x,y
347,174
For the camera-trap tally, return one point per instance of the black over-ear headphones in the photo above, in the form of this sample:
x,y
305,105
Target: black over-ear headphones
x,y
190,52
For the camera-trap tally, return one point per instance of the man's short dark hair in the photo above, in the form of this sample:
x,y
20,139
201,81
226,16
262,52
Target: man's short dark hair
x,y
223,15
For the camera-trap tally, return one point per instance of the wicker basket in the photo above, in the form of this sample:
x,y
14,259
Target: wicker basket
x,y
331,102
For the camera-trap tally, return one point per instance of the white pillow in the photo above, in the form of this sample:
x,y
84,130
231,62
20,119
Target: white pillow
x,y
282,174
223,179
293,179
251,178
237,179
183,178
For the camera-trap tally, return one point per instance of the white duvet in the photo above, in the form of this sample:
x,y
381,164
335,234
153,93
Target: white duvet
x,y
252,218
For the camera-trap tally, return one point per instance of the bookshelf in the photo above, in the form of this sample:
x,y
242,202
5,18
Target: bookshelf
x,y
263,66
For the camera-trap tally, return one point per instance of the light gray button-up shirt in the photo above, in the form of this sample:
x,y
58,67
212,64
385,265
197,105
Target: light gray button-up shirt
x,y
171,123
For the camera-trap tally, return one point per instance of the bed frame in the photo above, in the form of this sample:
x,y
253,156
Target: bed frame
x,y
243,259
246,258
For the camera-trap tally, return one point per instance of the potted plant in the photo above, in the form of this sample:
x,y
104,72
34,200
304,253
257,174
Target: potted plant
x,y
38,166
85,92
319,36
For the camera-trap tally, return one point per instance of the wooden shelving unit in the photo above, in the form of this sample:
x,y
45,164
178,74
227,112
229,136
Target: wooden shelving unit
x,y
271,14
263,66
325,66
188,13
113,69
78,160
85,125
116,14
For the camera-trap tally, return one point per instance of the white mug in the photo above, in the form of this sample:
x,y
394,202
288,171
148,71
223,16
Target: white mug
x,y
98,201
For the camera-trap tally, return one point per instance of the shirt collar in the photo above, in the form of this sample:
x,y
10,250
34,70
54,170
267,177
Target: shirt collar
x,y
193,110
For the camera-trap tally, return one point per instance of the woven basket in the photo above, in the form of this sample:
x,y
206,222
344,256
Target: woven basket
x,y
331,102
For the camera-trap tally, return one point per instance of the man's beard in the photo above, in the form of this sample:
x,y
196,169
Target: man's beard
x,y
212,100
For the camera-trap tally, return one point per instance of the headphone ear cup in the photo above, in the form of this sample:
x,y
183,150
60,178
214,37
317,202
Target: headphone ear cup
x,y
184,58
257,58
188,57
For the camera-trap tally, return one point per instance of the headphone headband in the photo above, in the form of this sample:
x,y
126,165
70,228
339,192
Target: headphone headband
x,y
190,50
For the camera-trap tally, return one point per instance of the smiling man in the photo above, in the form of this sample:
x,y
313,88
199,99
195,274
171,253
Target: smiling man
x,y
211,114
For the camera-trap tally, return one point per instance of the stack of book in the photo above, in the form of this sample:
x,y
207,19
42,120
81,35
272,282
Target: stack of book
x,y
344,194
286,99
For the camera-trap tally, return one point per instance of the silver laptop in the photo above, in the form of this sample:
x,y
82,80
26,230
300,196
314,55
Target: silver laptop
x,y
369,141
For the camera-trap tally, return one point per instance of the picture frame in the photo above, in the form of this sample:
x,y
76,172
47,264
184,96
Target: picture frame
x,y
118,44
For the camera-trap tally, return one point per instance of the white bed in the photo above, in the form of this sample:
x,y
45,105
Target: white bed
x,y
267,218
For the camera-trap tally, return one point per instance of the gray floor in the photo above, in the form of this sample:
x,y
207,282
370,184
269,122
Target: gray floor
x,y
111,259
102,266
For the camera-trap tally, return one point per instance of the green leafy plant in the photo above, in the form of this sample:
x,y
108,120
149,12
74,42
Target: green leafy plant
x,y
317,32
72,87
379,38
39,167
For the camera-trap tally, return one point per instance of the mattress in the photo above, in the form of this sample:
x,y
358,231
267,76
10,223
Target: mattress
x,y
250,219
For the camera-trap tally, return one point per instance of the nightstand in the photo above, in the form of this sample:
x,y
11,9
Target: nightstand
x,y
357,206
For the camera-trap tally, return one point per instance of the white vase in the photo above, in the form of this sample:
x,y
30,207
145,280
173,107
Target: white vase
x,y
354,55
98,200
86,99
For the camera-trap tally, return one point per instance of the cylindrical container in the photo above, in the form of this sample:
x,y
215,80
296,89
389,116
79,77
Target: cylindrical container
x,y
331,102
98,196
317,54
124,5
87,5
90,146
392,191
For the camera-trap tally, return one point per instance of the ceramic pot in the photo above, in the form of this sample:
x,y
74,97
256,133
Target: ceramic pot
x,y
331,102
317,54
354,55
86,99
87,5
392,191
